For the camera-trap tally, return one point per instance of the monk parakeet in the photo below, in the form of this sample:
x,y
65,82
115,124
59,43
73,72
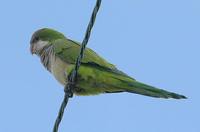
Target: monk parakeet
x,y
95,76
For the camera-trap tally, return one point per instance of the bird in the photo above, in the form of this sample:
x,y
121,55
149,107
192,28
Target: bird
x,y
95,76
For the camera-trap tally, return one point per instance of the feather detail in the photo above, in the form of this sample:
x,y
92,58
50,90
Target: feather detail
x,y
54,64
46,56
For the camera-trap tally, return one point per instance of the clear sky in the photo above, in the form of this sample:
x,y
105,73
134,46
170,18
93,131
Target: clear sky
x,y
155,41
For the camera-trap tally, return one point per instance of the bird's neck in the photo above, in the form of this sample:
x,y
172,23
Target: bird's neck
x,y
46,55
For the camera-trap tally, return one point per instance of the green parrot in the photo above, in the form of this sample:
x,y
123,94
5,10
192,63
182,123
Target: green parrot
x,y
95,76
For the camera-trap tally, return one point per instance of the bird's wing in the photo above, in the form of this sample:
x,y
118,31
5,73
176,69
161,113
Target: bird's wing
x,y
96,75
68,50
93,80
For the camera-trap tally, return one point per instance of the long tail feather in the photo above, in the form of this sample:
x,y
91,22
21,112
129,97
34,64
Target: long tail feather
x,y
140,88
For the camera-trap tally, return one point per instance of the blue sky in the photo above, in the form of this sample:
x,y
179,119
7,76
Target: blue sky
x,y
156,42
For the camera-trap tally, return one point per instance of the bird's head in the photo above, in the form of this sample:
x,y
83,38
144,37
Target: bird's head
x,y
42,38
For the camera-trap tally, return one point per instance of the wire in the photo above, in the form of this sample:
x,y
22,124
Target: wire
x,y
71,80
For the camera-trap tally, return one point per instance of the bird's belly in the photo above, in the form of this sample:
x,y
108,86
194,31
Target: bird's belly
x,y
59,70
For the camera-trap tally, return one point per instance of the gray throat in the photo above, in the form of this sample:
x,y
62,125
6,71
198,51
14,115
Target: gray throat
x,y
46,56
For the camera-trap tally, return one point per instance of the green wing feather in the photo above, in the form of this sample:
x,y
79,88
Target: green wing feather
x,y
97,76
68,51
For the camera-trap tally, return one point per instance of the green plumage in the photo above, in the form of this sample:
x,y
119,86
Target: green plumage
x,y
95,75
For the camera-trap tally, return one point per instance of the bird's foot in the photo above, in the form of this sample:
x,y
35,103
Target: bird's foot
x,y
69,90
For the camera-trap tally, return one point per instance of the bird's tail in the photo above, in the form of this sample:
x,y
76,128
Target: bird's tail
x,y
141,88
98,80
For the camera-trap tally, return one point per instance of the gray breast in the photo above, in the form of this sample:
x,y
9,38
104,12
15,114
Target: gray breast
x,y
55,65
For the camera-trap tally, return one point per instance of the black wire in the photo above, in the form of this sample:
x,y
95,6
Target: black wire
x,y
71,81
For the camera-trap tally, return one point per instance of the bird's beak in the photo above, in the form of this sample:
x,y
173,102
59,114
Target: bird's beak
x,y
32,49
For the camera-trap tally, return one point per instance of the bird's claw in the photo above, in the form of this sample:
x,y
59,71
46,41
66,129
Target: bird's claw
x,y
69,90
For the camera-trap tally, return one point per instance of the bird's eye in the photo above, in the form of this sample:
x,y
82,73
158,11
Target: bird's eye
x,y
34,39
37,38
